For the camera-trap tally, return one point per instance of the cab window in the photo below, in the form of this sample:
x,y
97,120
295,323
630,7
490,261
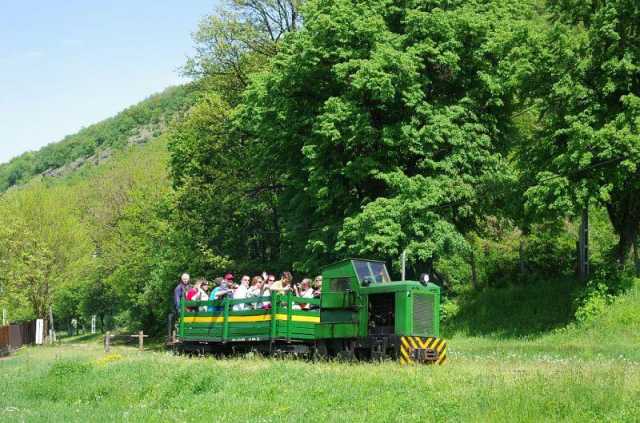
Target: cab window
x,y
371,271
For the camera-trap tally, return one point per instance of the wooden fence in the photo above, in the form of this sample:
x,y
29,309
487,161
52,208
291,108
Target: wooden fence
x,y
13,337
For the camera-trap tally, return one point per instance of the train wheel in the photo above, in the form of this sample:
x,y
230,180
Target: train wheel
x,y
319,351
348,351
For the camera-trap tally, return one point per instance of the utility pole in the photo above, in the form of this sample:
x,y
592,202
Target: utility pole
x,y
583,247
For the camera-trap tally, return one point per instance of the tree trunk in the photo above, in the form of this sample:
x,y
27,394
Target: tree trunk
x,y
627,240
521,257
45,329
636,257
474,270
583,247
624,214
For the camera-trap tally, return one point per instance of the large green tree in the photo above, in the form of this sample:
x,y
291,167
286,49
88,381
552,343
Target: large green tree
x,y
385,124
45,246
222,206
588,145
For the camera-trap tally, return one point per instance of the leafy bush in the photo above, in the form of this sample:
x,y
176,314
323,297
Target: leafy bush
x,y
448,310
65,368
607,283
593,302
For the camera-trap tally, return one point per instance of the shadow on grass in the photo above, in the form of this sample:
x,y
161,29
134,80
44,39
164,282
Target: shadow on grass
x,y
88,337
514,312
120,339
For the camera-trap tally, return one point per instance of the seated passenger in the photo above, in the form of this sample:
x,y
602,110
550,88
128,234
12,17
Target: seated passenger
x,y
255,291
266,291
203,294
194,293
219,292
241,293
284,284
229,280
269,281
305,291
317,286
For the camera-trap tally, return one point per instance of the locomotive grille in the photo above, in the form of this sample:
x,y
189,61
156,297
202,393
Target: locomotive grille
x,y
423,314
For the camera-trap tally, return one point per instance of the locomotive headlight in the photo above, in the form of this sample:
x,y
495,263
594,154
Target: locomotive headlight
x,y
424,279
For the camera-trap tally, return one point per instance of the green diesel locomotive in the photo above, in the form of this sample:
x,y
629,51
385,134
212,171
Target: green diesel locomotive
x,y
361,313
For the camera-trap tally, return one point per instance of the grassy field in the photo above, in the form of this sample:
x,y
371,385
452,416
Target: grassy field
x,y
572,374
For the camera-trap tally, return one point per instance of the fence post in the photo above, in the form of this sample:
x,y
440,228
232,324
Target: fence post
x,y
107,341
141,340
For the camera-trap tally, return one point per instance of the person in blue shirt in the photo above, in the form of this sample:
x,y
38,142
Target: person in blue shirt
x,y
221,290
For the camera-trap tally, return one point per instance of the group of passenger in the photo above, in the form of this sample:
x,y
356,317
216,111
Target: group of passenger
x,y
256,287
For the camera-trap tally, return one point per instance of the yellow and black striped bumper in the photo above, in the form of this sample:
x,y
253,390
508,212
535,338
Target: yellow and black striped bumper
x,y
416,349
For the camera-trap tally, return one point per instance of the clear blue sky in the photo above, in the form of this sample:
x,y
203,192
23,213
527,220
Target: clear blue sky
x,y
65,64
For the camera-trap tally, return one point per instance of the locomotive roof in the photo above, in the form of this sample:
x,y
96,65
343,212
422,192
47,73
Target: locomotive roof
x,y
351,259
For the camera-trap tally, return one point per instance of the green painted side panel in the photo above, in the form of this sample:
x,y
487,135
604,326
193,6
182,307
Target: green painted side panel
x,y
337,330
402,321
436,314
339,285
363,315
216,332
339,316
391,287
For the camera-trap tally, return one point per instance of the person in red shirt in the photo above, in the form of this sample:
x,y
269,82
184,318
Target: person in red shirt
x,y
195,290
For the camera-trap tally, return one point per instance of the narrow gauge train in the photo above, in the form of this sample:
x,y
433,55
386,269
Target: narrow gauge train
x,y
360,314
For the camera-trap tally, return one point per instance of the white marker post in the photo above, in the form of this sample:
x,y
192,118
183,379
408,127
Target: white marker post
x,y
93,324
39,331
4,317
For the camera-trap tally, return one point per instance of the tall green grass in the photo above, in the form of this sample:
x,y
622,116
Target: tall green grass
x,y
84,384
495,323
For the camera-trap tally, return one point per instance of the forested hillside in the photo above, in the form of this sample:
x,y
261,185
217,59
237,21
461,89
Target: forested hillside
x,y
472,135
135,125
